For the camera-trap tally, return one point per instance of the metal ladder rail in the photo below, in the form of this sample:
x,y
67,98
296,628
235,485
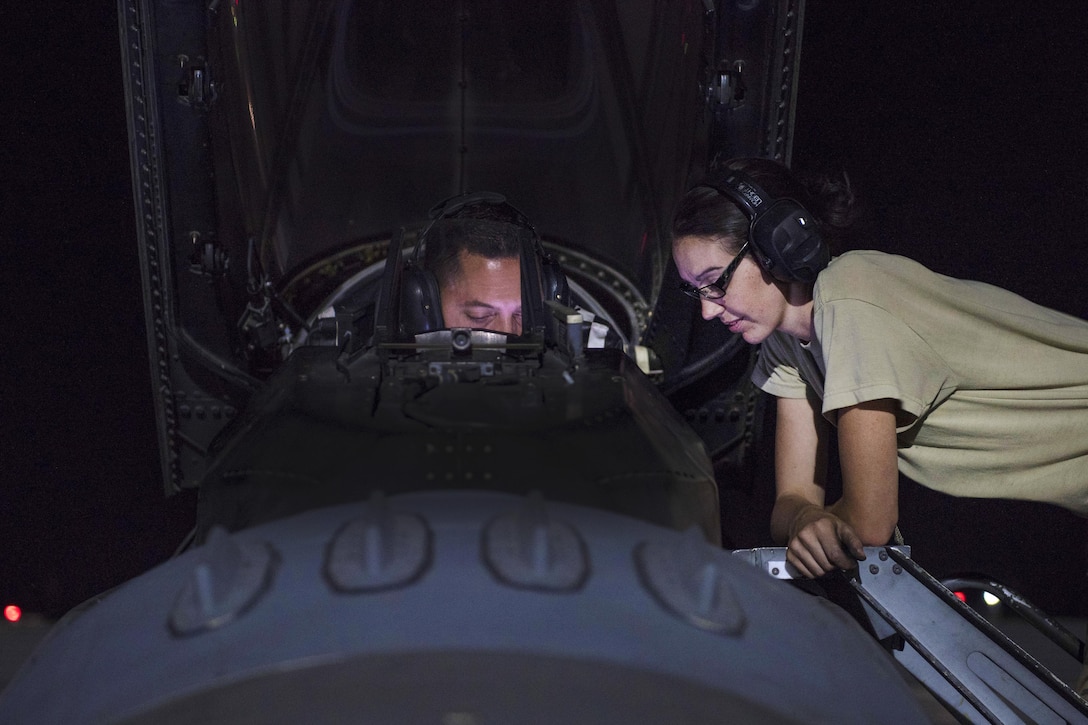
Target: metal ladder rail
x,y
999,682
1049,627
966,662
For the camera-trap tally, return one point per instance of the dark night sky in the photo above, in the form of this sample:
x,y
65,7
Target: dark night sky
x,y
962,126
80,503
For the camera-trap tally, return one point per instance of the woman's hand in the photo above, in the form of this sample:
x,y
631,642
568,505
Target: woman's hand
x,y
821,542
824,538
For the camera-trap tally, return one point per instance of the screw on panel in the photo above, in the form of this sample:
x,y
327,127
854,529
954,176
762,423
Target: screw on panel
x,y
527,549
228,579
874,569
378,550
687,577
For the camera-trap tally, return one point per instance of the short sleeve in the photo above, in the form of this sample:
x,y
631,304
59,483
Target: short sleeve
x,y
870,353
776,370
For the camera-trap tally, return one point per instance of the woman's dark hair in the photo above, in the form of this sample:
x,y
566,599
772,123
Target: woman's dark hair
x,y
704,212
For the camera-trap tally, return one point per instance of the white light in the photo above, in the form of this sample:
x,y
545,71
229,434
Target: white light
x,y
990,599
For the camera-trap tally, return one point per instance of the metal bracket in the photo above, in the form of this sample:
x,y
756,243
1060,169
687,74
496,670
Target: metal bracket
x,y
195,87
725,86
207,257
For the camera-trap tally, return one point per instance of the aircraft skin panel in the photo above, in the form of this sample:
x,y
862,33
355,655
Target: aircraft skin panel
x,y
197,386
314,439
152,641
147,183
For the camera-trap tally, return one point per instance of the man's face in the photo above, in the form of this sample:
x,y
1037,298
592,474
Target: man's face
x,y
486,294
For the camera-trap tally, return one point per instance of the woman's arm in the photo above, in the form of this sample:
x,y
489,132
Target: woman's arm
x,y
800,464
819,539
870,470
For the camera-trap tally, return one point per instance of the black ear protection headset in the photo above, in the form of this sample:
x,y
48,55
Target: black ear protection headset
x,y
784,236
421,300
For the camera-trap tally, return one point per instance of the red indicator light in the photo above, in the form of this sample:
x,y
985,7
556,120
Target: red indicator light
x,y
12,613
961,596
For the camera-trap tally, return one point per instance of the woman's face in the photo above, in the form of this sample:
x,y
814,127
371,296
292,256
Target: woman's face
x,y
754,304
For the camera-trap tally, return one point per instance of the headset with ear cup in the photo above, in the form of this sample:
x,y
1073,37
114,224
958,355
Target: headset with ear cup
x,y
421,302
785,237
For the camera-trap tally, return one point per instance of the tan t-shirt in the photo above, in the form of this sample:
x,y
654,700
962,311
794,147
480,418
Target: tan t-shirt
x,y
992,388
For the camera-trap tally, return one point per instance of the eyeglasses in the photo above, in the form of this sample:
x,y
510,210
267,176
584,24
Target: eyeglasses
x,y
716,289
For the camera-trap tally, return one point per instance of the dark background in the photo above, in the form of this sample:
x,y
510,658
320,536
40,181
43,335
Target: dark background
x,y
961,126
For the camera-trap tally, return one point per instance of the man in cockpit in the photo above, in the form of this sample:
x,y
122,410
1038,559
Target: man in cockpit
x,y
473,254
477,267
